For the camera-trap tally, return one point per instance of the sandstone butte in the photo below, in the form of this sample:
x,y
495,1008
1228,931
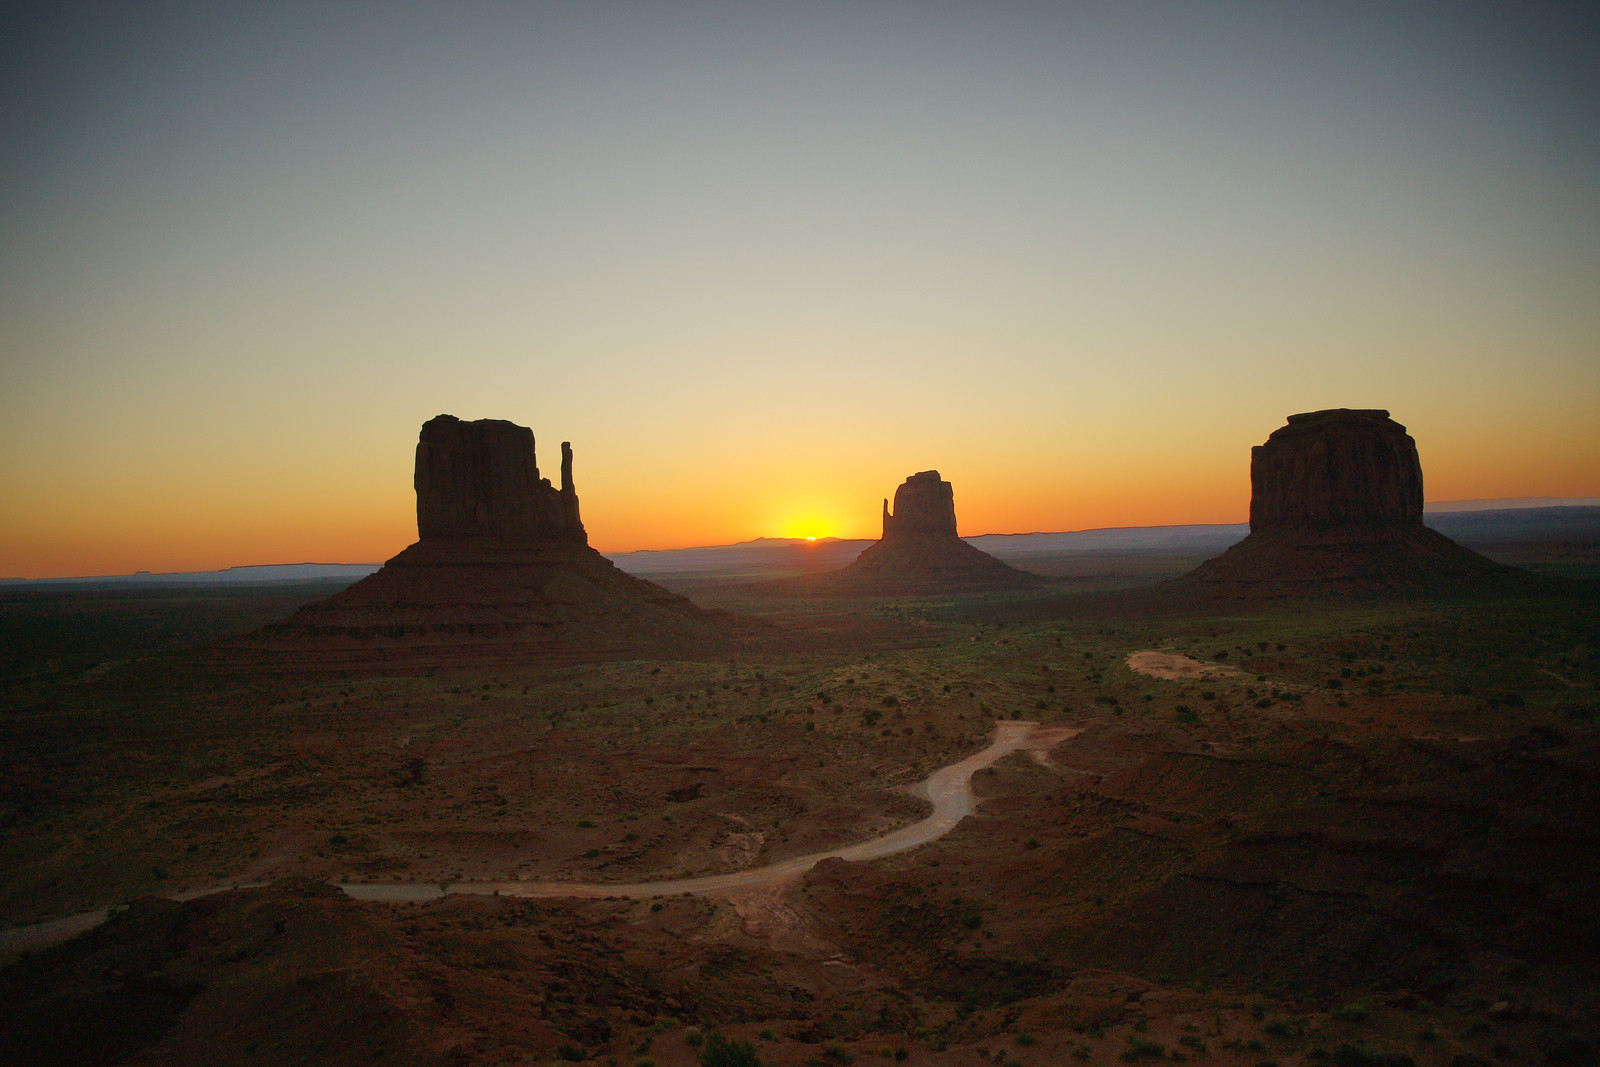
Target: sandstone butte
x,y
1336,508
919,554
502,566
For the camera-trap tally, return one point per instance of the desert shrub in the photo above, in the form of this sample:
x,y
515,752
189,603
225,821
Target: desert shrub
x,y
834,1052
1142,1048
1185,713
1356,1056
721,1052
1353,1012
569,1052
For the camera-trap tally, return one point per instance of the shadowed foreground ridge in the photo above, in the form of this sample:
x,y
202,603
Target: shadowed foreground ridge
x,y
502,563
1336,509
920,553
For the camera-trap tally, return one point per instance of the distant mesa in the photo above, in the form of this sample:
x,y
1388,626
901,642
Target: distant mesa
x,y
919,554
502,564
1336,507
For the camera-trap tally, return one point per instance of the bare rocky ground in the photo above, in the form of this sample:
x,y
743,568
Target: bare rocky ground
x,y
1371,841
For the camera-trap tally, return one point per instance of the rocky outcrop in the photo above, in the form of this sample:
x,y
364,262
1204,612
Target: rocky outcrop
x,y
1336,510
920,553
1343,467
502,568
924,507
481,479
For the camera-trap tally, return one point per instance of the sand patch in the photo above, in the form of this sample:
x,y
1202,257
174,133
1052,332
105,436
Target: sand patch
x,y
1176,668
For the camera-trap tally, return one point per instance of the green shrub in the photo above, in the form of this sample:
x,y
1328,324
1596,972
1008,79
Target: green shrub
x,y
1141,1048
721,1052
1355,1056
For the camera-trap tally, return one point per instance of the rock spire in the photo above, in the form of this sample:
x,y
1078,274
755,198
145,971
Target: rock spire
x,y
502,568
920,553
481,480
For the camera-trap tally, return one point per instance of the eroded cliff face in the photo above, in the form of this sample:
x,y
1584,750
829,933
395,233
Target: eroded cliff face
x,y
1335,511
481,480
502,568
924,506
920,553
1340,467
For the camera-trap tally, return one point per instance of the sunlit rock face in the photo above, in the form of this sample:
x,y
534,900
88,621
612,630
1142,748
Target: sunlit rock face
x,y
924,506
481,480
1340,467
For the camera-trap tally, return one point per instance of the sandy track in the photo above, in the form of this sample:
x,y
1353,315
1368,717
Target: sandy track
x,y
949,789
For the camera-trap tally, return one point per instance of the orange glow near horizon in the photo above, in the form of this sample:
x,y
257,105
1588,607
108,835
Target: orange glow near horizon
x,y
682,241
116,529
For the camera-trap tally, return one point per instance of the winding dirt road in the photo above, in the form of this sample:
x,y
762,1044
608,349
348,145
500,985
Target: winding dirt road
x,y
948,789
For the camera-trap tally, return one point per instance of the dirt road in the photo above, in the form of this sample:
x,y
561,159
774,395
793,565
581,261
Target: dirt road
x,y
948,789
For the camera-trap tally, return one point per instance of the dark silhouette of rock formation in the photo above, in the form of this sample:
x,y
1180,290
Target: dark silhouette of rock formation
x,y
1344,467
480,479
1336,508
920,553
502,562
924,507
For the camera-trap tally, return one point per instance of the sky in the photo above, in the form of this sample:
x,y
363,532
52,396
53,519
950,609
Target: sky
x,y
760,262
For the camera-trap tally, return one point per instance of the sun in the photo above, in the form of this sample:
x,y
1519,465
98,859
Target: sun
x,y
809,529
